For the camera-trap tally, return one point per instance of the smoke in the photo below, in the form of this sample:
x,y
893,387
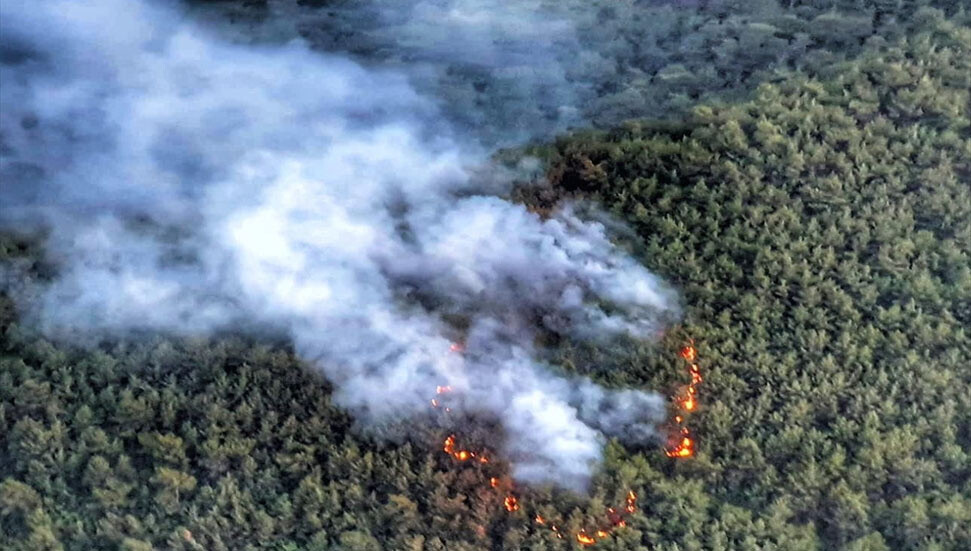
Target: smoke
x,y
191,185
502,71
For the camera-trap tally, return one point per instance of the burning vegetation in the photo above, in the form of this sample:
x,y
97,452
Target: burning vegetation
x,y
686,401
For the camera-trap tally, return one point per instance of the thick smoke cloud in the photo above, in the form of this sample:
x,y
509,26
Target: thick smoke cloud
x,y
192,185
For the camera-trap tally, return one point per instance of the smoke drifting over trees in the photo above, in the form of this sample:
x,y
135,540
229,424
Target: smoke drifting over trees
x,y
193,185
801,178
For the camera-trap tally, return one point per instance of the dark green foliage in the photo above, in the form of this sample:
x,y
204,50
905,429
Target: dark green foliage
x,y
821,235
630,59
621,59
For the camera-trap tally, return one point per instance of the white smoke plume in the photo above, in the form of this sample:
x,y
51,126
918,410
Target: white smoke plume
x,y
191,185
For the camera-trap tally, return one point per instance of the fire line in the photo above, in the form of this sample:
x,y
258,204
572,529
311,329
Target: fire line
x,y
687,401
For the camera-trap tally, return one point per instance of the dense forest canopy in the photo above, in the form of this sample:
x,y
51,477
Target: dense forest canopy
x,y
624,59
808,191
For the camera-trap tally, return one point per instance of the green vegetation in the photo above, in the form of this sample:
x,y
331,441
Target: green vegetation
x,y
631,58
821,235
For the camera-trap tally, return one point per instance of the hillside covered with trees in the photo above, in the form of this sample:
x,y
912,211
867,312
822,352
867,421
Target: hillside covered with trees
x,y
625,59
817,222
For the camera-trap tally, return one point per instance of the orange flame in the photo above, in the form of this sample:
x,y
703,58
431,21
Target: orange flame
x,y
511,502
695,374
687,402
689,353
461,455
684,449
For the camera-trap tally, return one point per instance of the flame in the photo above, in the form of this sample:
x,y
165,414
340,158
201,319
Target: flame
x,y
689,353
614,520
684,449
461,455
457,347
511,502
695,374
687,402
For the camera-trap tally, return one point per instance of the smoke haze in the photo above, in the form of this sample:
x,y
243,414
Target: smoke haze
x,y
191,185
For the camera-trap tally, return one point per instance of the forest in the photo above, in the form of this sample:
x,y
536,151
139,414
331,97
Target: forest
x,y
800,170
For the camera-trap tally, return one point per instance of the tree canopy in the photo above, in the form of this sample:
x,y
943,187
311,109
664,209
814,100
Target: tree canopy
x,y
820,233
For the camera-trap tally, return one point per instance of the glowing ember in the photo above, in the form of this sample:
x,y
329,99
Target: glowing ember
x,y
687,402
457,347
695,374
614,518
689,353
684,449
461,455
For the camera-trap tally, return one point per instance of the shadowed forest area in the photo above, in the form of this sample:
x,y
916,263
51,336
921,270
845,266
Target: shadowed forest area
x,y
799,170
